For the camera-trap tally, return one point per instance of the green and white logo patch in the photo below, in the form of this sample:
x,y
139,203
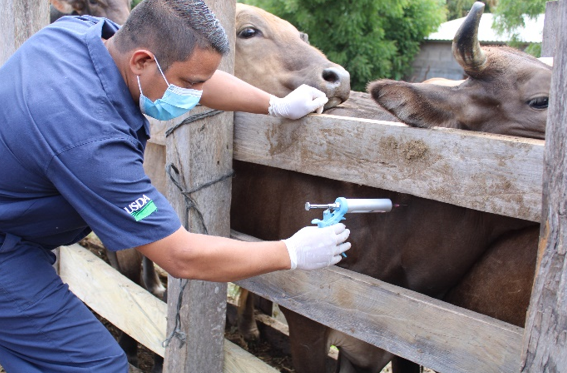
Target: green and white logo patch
x,y
141,208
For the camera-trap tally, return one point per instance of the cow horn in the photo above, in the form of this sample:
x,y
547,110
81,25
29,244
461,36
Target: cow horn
x,y
466,48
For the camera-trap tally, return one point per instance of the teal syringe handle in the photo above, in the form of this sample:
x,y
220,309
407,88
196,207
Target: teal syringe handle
x,y
334,212
333,217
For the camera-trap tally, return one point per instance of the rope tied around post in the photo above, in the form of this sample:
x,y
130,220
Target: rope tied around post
x,y
193,118
177,332
190,204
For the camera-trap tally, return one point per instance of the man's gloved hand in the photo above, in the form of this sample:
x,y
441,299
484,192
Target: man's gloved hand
x,y
314,248
298,103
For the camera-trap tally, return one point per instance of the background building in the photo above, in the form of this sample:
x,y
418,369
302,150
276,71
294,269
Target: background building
x,y
435,58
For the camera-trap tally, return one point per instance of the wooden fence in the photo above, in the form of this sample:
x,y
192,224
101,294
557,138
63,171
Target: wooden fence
x,y
507,172
425,330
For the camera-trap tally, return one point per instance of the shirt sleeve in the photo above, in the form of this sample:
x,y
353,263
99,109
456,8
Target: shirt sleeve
x,y
104,181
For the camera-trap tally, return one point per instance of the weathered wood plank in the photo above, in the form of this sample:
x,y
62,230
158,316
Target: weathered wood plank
x,y
422,329
201,152
550,29
113,296
132,309
502,188
486,172
545,339
358,105
238,360
20,19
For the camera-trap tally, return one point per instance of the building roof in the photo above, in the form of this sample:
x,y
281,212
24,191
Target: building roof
x,y
531,33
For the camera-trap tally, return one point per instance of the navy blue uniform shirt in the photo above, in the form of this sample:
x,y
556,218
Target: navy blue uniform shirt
x,y
71,144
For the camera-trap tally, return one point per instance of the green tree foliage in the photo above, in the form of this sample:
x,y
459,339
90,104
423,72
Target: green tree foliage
x,y
510,16
460,8
509,13
372,39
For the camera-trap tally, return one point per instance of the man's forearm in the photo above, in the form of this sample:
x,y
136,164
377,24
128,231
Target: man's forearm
x,y
211,258
227,92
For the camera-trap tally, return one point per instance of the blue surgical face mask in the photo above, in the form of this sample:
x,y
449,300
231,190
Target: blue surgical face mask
x,y
175,102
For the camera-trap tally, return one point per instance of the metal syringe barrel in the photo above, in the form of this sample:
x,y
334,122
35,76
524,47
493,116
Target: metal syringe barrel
x,y
368,205
356,205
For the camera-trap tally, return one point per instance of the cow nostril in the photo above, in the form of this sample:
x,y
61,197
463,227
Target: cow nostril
x,y
330,75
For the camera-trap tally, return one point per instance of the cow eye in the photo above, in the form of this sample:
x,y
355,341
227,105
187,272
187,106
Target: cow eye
x,y
539,103
93,2
248,32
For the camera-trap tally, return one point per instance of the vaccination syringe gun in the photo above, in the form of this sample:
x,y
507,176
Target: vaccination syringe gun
x,y
334,212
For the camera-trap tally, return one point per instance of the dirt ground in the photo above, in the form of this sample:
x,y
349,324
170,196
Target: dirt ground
x,y
262,350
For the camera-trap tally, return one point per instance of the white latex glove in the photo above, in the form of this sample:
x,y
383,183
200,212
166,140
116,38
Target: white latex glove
x,y
314,247
298,103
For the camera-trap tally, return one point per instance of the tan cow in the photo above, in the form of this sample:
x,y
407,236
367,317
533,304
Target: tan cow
x,y
273,55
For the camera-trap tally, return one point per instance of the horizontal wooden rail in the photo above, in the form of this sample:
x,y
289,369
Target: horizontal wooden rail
x,y
427,331
131,308
486,172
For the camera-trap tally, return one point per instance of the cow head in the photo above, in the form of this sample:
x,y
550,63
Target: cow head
x,y
116,10
274,56
506,91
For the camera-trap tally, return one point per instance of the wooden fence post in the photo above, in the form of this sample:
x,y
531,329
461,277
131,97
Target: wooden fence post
x,y
550,30
199,164
20,19
545,338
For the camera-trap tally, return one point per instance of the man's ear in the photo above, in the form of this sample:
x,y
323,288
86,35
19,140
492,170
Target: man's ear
x,y
139,60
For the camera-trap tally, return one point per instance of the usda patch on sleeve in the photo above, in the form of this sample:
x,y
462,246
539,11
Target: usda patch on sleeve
x,y
141,208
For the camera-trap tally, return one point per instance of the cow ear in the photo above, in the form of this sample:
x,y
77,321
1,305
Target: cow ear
x,y
418,105
303,36
63,6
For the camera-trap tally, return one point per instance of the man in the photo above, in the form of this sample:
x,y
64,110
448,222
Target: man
x,y
72,137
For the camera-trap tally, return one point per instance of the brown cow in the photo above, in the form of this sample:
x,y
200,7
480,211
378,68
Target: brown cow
x,y
440,250
507,92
